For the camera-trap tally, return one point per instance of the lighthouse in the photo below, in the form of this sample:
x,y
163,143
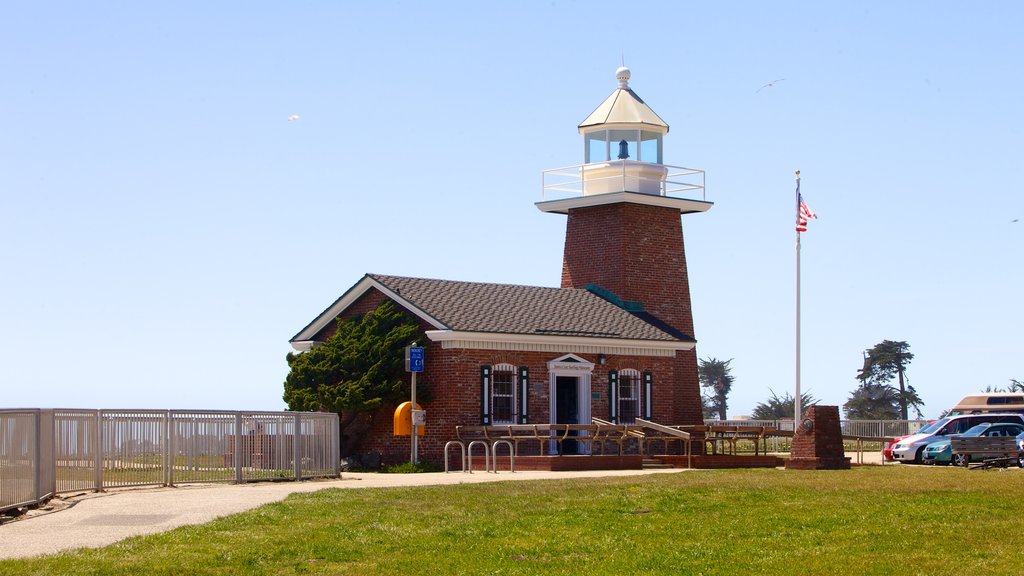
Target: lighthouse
x,y
613,343
624,234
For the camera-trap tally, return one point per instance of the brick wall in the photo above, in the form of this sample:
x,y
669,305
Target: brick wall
x,y
636,251
453,376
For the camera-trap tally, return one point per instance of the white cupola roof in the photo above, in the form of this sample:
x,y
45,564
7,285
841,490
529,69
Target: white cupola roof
x,y
623,109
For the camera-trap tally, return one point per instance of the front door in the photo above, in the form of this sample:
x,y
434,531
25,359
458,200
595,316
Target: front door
x,y
567,407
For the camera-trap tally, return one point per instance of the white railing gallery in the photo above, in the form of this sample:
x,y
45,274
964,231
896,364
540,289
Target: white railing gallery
x,y
49,451
572,181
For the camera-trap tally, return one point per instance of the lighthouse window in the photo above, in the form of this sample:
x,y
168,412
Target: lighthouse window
x,y
503,396
650,147
597,146
629,396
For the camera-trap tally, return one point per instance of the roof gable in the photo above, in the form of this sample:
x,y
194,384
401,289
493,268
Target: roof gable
x,y
350,297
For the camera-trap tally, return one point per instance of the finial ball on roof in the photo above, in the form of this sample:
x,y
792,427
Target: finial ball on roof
x,y
622,75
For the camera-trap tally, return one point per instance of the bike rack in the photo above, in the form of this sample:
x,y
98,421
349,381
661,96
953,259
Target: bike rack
x,y
487,456
462,448
511,455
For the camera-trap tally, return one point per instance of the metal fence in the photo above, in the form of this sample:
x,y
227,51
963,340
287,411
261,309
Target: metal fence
x,y
25,442
864,428
874,428
44,452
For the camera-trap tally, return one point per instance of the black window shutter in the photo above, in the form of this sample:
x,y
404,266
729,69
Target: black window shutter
x,y
613,396
485,395
524,390
648,386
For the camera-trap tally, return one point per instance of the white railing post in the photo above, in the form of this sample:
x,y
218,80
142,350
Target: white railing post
x,y
238,448
37,479
170,448
98,419
297,446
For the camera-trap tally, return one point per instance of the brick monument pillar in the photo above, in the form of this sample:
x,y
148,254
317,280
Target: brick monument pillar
x,y
818,441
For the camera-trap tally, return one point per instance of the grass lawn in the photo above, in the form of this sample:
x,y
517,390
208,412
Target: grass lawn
x,y
870,520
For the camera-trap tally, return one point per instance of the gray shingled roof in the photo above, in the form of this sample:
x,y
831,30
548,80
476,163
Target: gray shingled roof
x,y
513,309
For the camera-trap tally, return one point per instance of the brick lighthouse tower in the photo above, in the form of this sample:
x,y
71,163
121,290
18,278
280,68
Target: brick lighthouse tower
x,y
624,236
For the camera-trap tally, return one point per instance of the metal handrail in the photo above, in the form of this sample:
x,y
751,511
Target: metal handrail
x,y
674,432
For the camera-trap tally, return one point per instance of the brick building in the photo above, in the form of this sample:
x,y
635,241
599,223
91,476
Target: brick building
x,y
615,341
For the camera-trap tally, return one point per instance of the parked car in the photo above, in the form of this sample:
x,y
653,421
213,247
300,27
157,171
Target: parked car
x,y
1020,450
887,451
910,450
941,452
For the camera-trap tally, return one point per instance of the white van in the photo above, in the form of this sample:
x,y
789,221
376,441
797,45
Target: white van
x,y
984,402
910,450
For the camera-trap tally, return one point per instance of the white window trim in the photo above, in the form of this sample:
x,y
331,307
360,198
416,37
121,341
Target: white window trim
x,y
635,393
515,392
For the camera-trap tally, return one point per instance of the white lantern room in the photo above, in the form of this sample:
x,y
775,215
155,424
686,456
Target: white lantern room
x,y
623,155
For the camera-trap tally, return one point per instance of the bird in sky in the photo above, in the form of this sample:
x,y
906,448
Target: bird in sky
x,y
768,85
293,117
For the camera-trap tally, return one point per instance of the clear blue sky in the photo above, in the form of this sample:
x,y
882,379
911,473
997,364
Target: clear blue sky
x,y
165,229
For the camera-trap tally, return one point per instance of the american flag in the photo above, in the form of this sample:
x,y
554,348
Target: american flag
x,y
803,214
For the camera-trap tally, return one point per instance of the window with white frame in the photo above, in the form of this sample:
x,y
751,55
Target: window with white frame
x,y
628,396
503,394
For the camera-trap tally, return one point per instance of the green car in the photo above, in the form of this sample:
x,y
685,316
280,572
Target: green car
x,y
942,453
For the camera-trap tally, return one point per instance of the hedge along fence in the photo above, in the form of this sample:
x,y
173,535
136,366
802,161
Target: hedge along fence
x,y
48,451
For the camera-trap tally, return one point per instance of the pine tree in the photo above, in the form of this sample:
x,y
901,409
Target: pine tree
x,y
356,371
714,375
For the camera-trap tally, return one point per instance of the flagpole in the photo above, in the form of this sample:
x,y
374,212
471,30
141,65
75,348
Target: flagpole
x,y
796,399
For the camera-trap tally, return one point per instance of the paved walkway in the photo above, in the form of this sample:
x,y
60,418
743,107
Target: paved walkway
x,y
98,519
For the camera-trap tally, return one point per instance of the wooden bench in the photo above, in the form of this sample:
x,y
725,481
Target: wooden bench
x,y
756,434
983,451
728,437
724,436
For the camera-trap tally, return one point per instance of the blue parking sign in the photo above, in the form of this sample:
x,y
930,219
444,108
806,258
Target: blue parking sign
x,y
414,358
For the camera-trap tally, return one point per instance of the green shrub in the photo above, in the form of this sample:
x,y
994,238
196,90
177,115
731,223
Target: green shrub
x,y
410,468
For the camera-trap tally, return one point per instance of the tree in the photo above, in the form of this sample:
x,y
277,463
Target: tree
x,y
776,408
1016,385
706,408
873,401
882,362
355,372
714,375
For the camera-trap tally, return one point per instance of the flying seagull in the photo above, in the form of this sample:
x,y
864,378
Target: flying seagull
x,y
768,85
293,117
